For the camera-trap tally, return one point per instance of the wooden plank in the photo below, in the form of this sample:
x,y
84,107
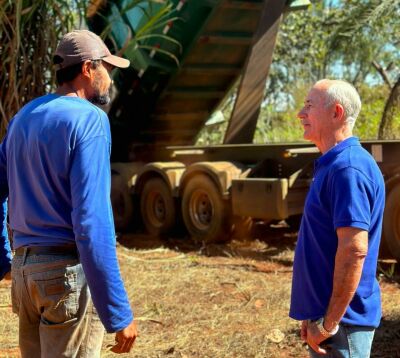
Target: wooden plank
x,y
176,105
186,116
171,132
217,55
243,121
214,81
188,93
171,137
188,124
201,69
226,39
233,20
242,5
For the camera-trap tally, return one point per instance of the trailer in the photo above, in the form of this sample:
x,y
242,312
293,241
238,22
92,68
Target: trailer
x,y
163,101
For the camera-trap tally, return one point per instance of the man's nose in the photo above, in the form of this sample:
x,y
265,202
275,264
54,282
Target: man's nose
x,y
301,114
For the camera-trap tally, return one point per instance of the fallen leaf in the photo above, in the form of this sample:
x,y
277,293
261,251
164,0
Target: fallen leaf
x,y
259,303
275,336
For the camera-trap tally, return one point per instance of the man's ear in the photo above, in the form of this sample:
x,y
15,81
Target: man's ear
x,y
86,67
339,112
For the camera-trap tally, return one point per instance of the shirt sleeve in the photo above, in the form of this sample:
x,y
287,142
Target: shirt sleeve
x,y
352,197
5,249
93,225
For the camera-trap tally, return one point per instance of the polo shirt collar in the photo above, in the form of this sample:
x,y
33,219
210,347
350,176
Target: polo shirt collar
x,y
336,150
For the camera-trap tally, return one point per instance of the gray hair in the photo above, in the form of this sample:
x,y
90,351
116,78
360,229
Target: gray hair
x,y
345,94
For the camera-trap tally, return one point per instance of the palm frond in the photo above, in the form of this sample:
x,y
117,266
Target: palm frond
x,y
29,33
160,50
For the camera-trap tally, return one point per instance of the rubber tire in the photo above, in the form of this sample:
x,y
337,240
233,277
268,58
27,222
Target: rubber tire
x,y
122,203
391,222
294,221
153,188
243,227
219,227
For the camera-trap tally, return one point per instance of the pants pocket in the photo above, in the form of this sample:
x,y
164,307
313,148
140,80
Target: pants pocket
x,y
58,295
14,295
16,281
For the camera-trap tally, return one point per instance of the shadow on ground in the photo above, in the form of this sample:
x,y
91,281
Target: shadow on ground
x,y
265,243
275,244
387,339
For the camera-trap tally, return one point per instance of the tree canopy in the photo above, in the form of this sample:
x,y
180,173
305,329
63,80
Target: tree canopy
x,y
355,40
29,33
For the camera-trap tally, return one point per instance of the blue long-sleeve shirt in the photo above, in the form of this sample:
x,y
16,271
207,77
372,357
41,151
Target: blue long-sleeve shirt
x,y
5,249
57,159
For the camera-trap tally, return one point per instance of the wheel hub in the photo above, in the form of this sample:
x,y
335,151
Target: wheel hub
x,y
201,209
159,208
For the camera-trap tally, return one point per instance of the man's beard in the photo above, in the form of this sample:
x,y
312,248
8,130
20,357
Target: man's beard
x,y
99,98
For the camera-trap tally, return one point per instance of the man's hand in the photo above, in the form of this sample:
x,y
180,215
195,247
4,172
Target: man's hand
x,y
314,337
303,331
125,339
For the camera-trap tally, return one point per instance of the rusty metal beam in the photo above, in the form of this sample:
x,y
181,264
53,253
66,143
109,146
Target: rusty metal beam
x,y
244,117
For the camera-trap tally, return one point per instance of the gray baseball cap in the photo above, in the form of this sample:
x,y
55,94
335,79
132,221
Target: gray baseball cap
x,y
81,45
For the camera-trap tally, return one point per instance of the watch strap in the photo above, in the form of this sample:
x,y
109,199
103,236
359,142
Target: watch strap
x,y
323,331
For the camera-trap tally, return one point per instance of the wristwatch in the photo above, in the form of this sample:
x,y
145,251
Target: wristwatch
x,y
323,331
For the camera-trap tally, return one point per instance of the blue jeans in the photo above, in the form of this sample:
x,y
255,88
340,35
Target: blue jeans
x,y
56,315
349,342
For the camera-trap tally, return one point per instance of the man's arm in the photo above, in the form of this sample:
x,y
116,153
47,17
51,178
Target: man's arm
x,y
93,226
351,252
5,249
349,261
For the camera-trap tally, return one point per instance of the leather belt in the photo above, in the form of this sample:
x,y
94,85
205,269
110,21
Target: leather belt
x,y
47,250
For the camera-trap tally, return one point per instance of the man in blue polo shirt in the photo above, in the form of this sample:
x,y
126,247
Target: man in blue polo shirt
x,y
55,170
334,290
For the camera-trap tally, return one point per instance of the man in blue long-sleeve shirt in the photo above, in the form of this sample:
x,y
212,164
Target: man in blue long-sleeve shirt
x,y
55,171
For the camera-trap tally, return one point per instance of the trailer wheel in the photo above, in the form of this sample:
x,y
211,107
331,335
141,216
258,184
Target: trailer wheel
x,y
157,207
121,201
294,221
391,222
205,213
243,227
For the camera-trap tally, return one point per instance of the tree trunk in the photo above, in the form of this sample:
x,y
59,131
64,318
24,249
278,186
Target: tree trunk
x,y
392,105
383,73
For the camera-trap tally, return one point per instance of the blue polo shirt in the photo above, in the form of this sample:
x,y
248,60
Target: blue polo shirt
x,y
347,191
55,170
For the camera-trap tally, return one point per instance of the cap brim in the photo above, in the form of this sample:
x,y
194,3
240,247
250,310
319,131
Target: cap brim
x,y
116,61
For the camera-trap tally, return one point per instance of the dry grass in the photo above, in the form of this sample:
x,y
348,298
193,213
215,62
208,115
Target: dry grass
x,y
194,306
8,324
221,301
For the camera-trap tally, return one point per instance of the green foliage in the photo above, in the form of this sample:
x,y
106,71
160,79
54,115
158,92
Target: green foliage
x,y
300,56
372,53
367,32
211,135
388,272
278,128
134,27
29,33
373,101
281,126
353,40
214,133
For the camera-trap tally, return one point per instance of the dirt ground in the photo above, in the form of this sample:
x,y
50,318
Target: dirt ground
x,y
229,300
